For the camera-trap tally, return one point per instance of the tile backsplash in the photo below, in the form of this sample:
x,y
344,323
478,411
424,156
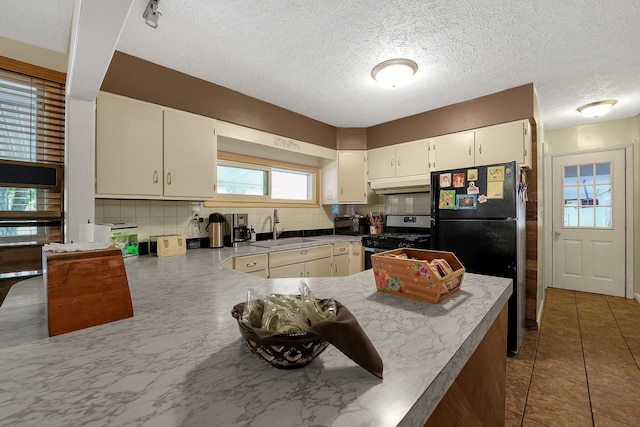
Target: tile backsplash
x,y
394,204
157,217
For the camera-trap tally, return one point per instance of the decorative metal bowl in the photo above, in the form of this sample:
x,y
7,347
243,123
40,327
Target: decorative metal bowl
x,y
284,351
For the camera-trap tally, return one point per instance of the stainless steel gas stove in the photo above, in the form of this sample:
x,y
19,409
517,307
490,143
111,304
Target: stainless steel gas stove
x,y
401,231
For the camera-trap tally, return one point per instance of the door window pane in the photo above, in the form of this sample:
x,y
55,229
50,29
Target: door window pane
x,y
571,196
603,195
603,173
570,217
586,174
586,217
587,195
571,175
603,217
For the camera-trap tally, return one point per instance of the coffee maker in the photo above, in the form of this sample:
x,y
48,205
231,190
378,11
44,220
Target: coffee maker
x,y
236,230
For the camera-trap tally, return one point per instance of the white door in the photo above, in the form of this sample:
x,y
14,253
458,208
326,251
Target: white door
x,y
589,222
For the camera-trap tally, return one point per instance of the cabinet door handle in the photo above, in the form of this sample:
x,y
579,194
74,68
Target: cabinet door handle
x,y
336,270
479,148
469,150
391,163
307,274
398,161
169,178
155,176
251,264
304,252
301,274
342,249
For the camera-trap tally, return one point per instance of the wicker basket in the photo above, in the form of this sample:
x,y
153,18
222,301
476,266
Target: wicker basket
x,y
410,273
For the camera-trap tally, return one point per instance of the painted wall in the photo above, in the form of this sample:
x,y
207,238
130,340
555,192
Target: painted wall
x,y
610,134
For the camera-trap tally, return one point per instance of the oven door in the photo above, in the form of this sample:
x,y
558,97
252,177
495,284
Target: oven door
x,y
367,255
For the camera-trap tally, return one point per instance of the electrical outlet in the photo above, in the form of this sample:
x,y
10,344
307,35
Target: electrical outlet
x,y
200,219
196,217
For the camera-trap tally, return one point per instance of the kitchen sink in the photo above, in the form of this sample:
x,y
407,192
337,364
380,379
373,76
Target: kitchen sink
x,y
281,242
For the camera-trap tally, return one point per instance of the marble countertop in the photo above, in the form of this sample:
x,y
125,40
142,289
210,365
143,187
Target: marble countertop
x,y
181,361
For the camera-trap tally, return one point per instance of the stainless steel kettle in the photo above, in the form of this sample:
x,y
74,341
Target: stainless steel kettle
x,y
216,230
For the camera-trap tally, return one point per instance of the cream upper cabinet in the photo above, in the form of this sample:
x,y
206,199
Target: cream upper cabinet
x,y
504,143
412,158
145,150
401,160
190,152
382,162
493,144
128,147
452,151
352,182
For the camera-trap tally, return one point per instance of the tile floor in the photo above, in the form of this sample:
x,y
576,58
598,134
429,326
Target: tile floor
x,y
581,368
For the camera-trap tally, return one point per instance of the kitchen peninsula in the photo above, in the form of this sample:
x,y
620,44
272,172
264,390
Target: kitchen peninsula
x,y
181,361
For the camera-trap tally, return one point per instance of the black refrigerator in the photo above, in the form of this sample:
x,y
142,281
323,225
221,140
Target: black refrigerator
x,y
478,213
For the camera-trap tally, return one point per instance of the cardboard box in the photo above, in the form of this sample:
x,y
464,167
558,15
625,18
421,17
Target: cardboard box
x,y
412,273
167,245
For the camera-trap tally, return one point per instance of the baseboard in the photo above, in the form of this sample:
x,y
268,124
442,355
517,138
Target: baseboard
x,y
637,297
540,310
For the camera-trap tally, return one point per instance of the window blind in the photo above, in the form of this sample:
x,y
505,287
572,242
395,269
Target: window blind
x,y
32,121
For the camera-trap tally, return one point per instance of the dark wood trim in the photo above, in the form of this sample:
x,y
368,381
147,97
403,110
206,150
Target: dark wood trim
x,y
478,396
32,70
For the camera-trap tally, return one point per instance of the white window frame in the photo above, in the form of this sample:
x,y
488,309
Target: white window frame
x,y
232,159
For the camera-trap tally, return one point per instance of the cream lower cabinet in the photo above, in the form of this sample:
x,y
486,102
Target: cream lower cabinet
x,y
253,264
306,262
340,261
356,258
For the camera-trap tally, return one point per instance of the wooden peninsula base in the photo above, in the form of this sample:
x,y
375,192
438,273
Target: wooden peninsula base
x,y
84,289
477,396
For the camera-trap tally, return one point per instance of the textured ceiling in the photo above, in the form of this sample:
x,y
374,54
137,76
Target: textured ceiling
x,y
315,58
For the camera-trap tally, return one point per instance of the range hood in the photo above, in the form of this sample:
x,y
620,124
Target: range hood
x,y
411,184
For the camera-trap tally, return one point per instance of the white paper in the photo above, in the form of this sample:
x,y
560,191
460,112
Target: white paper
x,y
94,233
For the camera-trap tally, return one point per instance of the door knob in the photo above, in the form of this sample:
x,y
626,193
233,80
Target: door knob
x,y
557,234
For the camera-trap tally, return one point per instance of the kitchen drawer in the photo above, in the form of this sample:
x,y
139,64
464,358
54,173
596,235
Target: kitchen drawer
x,y
277,259
341,248
251,263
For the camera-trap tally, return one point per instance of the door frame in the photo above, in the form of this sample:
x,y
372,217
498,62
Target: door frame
x,y
548,213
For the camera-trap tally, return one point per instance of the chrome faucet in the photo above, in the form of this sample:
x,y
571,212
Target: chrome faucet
x,y
276,221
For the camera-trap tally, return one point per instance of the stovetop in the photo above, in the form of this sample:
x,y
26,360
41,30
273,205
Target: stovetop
x,y
402,231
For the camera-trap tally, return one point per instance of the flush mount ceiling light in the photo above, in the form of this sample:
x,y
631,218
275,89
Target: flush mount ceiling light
x,y
394,72
597,109
151,14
